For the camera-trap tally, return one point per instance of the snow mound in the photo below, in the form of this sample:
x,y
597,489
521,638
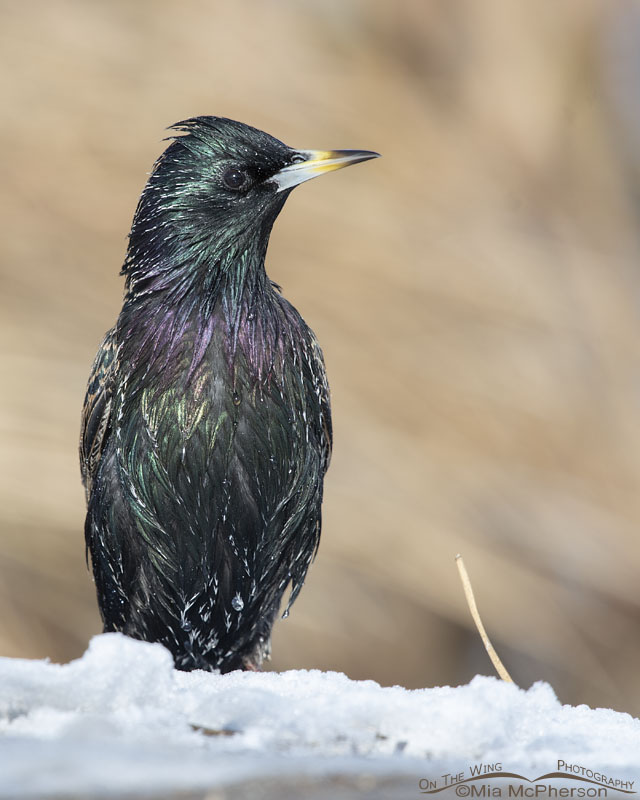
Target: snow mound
x,y
122,719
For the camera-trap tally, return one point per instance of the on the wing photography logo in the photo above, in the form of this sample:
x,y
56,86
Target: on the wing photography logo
x,y
492,780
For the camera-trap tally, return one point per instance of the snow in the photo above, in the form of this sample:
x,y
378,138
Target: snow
x,y
121,719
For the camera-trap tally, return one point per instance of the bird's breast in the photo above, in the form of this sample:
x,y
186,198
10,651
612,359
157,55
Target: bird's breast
x,y
226,427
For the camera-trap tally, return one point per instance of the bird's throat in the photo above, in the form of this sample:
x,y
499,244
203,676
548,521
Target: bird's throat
x,y
172,318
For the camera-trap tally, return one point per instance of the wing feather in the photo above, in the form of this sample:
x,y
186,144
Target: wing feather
x,y
96,412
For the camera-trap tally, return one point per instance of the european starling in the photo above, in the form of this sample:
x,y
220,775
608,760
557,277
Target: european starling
x,y
206,428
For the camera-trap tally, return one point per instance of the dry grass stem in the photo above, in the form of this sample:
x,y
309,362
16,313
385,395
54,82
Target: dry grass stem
x,y
473,608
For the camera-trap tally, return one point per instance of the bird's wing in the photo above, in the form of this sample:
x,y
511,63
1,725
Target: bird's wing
x,y
96,413
324,398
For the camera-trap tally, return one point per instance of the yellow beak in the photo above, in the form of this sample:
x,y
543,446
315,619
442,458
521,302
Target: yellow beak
x,y
311,163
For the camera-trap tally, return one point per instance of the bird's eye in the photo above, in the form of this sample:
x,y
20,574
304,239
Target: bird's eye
x,y
234,178
297,159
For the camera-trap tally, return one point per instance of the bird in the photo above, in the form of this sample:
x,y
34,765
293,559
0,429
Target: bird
x,y
206,427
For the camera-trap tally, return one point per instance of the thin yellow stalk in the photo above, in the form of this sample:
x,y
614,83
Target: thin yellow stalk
x,y
473,608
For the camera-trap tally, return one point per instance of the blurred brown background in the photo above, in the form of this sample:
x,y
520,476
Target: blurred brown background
x,y
476,293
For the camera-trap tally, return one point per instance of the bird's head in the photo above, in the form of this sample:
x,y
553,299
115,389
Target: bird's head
x,y
221,184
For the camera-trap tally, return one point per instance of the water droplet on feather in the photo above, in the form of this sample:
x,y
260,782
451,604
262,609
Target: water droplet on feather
x,y
237,603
